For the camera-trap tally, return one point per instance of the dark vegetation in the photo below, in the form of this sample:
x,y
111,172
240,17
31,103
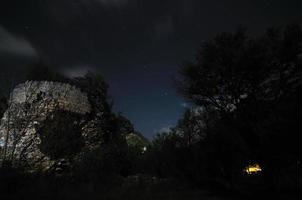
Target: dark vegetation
x,y
246,95
60,135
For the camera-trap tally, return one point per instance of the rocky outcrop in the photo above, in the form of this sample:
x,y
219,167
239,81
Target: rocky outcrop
x,y
30,104
67,97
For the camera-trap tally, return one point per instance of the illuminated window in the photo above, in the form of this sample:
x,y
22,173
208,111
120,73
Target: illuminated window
x,y
253,169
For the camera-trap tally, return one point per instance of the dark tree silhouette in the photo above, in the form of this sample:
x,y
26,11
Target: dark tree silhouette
x,y
231,67
39,71
254,85
97,91
60,135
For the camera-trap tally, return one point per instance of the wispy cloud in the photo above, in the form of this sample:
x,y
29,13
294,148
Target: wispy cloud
x,y
165,129
14,45
77,71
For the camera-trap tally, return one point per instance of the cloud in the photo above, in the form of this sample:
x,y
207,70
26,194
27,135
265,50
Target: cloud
x,y
77,71
13,45
166,129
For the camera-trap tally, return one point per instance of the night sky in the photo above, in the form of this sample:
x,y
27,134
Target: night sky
x,y
137,45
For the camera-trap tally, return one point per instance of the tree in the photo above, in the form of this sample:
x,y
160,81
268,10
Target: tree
x,y
39,71
104,126
191,128
232,67
124,126
252,84
97,90
61,135
3,105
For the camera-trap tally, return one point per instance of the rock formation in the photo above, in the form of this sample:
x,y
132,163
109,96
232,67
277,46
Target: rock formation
x,y
30,104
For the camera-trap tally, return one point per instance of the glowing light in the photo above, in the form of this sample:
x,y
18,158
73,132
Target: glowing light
x,y
253,169
144,149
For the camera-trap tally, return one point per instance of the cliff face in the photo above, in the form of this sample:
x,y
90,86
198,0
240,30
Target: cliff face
x,y
68,97
30,104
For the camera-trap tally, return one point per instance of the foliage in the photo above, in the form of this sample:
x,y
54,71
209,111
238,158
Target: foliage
x,y
138,148
42,72
96,89
61,135
136,141
3,105
254,86
123,125
232,67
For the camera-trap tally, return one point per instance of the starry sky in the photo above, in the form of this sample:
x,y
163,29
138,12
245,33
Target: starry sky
x,y
137,45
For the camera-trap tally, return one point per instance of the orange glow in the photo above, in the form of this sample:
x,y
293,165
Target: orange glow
x,y
253,169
